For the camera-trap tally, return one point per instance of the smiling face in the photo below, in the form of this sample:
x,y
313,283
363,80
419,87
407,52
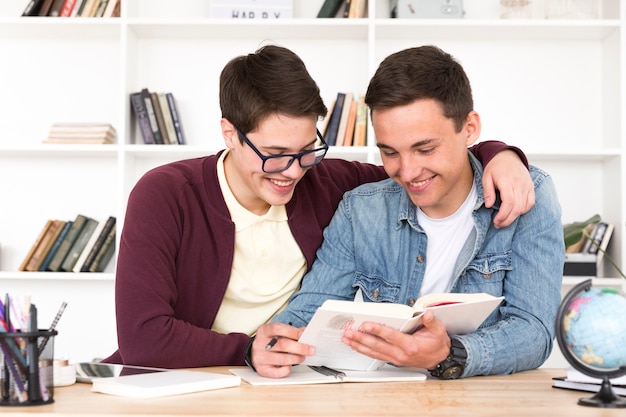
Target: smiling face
x,y
423,152
277,134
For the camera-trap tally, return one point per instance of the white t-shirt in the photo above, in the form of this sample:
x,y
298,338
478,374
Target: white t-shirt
x,y
446,238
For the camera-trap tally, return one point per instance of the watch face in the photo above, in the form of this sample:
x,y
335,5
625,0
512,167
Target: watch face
x,y
453,372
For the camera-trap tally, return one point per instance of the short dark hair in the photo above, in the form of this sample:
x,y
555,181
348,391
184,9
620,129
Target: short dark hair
x,y
272,80
424,72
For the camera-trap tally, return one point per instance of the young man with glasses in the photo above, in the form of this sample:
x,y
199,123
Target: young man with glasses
x,y
426,229
213,247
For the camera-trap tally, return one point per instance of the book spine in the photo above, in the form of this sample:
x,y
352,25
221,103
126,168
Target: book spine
x,y
32,8
154,98
167,118
141,113
335,119
145,94
178,126
108,12
66,10
57,5
44,247
55,246
105,253
330,8
35,245
110,223
45,8
79,244
66,244
101,7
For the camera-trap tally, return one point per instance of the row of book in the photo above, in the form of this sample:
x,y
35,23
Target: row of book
x,y
81,133
346,122
73,8
158,117
343,8
80,245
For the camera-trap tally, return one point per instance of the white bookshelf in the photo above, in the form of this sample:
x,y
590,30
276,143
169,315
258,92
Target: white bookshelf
x,y
553,87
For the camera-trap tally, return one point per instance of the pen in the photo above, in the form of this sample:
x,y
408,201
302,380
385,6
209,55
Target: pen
x,y
273,341
324,370
6,386
44,341
34,393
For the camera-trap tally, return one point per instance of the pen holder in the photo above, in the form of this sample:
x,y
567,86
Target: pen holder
x,y
26,372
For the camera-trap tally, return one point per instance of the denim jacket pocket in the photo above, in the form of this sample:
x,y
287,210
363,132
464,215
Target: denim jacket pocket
x,y
486,273
376,288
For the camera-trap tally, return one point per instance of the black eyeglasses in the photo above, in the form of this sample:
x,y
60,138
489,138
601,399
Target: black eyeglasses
x,y
279,163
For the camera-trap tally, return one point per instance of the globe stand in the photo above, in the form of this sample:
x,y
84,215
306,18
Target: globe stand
x,y
605,398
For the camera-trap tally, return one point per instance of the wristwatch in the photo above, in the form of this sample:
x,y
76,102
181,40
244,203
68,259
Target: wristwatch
x,y
453,366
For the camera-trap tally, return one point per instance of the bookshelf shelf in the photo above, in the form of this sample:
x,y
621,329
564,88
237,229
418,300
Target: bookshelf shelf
x,y
553,87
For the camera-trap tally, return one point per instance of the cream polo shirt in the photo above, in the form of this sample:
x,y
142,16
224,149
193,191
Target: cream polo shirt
x,y
267,268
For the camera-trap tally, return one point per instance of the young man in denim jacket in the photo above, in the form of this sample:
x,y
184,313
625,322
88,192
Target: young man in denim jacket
x,y
426,229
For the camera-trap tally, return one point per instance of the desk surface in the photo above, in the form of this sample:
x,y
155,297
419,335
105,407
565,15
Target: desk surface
x,y
524,394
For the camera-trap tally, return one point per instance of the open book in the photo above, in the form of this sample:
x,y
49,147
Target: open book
x,y
461,314
302,374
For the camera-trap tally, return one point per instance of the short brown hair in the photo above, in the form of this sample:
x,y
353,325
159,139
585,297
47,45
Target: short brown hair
x,y
424,72
272,80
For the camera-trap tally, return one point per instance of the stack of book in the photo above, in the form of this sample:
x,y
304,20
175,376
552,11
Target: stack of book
x,y
346,121
79,133
343,8
158,117
80,245
73,8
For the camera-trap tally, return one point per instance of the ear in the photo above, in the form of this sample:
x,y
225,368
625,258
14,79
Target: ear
x,y
472,128
229,133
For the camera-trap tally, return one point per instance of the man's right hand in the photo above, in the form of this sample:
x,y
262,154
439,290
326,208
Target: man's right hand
x,y
276,361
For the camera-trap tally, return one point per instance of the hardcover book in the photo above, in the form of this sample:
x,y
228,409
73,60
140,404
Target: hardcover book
x,y
55,246
141,115
35,245
159,118
335,119
105,253
461,313
178,125
99,242
44,247
158,139
66,244
79,244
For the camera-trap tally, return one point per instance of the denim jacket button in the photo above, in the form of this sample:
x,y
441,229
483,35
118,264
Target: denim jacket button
x,y
375,293
486,276
420,258
411,302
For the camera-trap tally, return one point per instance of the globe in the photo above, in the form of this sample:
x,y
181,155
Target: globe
x,y
591,333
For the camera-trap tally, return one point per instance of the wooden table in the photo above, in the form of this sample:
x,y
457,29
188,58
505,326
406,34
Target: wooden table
x,y
524,394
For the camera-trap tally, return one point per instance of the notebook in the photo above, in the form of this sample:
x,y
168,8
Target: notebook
x,y
161,384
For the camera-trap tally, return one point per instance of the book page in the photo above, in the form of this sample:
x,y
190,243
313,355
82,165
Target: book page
x,y
327,326
430,300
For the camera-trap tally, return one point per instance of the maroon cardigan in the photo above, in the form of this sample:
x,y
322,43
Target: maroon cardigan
x,y
176,253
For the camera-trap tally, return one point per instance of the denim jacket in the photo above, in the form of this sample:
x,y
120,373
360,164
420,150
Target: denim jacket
x,y
375,244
